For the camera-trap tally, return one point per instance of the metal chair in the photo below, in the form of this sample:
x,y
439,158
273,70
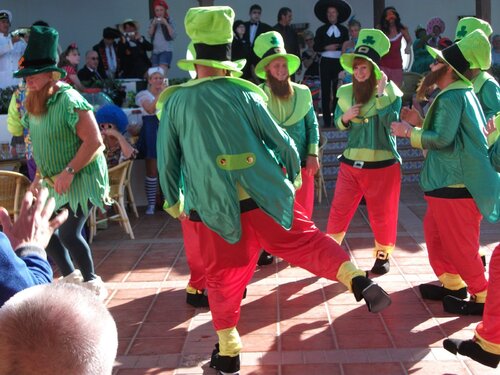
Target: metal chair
x,y
117,177
319,181
13,186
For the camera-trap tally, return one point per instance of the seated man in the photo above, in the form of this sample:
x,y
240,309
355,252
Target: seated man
x,y
27,236
82,339
89,75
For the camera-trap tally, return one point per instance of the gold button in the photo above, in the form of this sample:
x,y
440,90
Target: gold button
x,y
223,161
249,159
365,120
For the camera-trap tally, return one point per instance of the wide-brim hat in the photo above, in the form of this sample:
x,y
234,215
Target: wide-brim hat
x,y
471,52
343,8
111,33
269,46
40,55
372,44
211,33
121,26
467,24
436,21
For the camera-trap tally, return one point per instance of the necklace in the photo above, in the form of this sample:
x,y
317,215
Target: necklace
x,y
363,118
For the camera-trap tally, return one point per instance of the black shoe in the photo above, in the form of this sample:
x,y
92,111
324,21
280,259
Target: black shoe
x,y
472,349
455,305
224,363
381,266
265,258
483,259
375,297
197,300
437,293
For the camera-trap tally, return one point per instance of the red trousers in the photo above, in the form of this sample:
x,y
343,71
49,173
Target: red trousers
x,y
380,187
305,195
230,267
451,230
489,328
192,247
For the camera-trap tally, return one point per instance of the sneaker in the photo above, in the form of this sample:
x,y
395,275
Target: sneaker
x,y
74,277
150,210
97,287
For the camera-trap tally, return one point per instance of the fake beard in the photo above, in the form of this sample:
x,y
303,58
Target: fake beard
x,y
363,91
280,89
36,101
428,84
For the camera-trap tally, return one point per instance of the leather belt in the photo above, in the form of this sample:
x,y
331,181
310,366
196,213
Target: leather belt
x,y
245,206
360,164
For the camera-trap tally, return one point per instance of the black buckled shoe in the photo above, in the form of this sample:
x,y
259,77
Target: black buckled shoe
x,y
381,265
265,258
197,300
437,293
375,297
473,350
224,363
454,305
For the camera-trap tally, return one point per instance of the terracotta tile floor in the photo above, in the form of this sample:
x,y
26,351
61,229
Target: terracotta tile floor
x,y
292,322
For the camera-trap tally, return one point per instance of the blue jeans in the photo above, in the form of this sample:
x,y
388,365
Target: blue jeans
x,y
162,58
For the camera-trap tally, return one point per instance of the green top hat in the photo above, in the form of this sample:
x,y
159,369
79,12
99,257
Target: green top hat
x,y
372,44
40,55
471,52
469,24
211,32
269,46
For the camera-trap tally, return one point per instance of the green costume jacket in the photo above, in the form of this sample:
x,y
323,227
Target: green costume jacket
x,y
494,153
370,136
297,117
214,143
488,92
457,155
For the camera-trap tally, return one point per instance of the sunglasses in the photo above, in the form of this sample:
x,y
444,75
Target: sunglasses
x,y
106,126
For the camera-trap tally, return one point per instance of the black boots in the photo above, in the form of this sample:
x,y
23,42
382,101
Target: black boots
x,y
197,300
437,293
224,363
472,349
375,297
265,258
455,305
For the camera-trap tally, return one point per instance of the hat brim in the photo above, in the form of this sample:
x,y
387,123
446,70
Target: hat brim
x,y
435,52
25,72
293,63
347,60
343,8
233,66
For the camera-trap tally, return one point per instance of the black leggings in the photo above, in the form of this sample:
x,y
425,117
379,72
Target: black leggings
x,y
67,243
329,70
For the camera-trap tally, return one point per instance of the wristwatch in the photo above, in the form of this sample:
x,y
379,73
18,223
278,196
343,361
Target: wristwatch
x,y
69,169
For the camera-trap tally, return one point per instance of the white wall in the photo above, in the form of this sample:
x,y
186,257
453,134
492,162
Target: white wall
x,y
82,21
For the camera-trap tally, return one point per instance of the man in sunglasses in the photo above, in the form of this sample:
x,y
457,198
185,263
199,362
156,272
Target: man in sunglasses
x,y
88,75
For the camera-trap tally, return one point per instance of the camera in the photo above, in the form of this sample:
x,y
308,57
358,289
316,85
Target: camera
x,y
130,34
158,19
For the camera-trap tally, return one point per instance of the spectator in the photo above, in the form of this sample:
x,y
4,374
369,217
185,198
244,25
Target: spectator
x,y
23,260
253,28
107,51
240,47
88,75
310,62
132,48
495,51
162,32
392,63
284,27
11,51
422,59
328,41
147,99
69,61
354,26
435,27
56,329
72,165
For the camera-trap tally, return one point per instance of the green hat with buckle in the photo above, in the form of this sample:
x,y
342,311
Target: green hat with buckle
x,y
211,32
269,46
40,55
469,24
471,52
372,44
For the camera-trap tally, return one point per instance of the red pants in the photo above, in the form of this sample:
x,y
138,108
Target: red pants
x,y
305,195
193,254
489,328
229,267
451,229
380,187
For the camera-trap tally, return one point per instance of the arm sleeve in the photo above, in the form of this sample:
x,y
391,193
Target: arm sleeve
x,y
494,153
312,132
338,119
387,111
14,125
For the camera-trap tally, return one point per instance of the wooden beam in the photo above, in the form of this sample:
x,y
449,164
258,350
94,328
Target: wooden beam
x,y
483,10
378,7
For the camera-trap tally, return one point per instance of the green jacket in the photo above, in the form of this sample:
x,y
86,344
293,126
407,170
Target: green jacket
x,y
488,92
457,155
214,143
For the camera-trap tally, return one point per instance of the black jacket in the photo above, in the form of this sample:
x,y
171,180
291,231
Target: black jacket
x,y
321,39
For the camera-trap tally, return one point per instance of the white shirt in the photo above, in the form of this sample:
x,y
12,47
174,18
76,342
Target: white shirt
x,y
9,57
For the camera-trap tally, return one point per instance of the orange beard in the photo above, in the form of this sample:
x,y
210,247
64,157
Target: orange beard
x,y
280,89
428,84
36,101
363,91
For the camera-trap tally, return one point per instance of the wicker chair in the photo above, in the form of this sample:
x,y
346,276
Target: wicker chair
x,y
130,194
117,178
13,186
409,86
319,181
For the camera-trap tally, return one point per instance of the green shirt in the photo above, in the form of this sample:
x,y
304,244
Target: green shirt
x,y
55,144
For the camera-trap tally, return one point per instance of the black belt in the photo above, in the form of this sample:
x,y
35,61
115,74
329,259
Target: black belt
x,y
245,206
367,164
449,193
